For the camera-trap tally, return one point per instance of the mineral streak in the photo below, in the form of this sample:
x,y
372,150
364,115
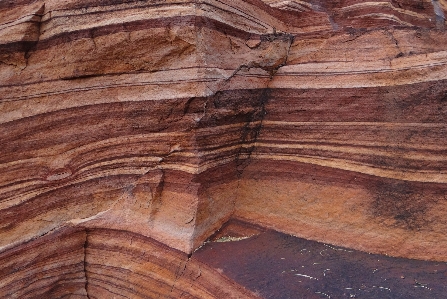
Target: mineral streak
x,y
155,122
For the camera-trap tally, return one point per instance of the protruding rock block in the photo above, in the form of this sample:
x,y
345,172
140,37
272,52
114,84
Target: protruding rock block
x,y
162,120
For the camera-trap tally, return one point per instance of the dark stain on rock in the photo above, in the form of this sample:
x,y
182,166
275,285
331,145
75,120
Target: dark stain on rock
x,y
279,266
401,201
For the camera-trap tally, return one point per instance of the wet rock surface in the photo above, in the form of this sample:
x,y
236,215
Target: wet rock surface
x,y
280,266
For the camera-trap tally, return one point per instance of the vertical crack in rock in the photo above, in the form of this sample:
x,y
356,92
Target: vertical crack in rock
x,y
271,66
394,40
268,60
85,263
180,273
259,114
250,134
157,193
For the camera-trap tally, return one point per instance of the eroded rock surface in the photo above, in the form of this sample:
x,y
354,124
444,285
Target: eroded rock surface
x,y
161,120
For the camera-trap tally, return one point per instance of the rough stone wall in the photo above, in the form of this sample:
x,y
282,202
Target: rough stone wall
x,y
164,119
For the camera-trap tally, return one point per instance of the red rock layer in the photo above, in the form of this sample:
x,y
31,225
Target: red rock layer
x,y
129,93
351,149
370,14
52,266
104,263
163,119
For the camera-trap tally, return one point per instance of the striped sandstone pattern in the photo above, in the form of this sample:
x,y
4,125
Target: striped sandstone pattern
x,y
161,120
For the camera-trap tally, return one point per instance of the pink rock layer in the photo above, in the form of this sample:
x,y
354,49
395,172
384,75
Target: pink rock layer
x,y
164,119
104,263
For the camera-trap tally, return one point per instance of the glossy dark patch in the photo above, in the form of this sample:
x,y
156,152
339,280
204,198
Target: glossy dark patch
x,y
280,266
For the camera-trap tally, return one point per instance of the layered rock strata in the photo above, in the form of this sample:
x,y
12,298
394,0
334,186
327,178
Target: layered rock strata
x,y
164,119
105,263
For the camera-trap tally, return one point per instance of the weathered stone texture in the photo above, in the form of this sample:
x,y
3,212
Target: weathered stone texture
x,y
158,121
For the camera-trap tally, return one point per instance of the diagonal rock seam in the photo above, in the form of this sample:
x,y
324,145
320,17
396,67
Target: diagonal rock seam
x,y
31,45
240,166
241,163
243,157
156,196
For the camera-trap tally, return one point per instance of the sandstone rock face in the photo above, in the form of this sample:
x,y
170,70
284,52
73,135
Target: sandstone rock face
x,y
132,130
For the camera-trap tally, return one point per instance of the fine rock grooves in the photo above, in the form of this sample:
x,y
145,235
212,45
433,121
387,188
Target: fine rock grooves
x,y
132,130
